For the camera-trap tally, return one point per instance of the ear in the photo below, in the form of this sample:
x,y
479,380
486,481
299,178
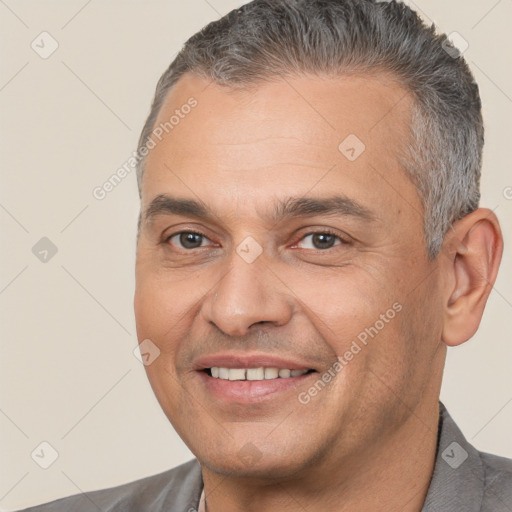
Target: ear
x,y
473,247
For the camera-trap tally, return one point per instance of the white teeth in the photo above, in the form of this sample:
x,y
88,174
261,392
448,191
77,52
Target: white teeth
x,y
224,373
236,374
254,373
271,373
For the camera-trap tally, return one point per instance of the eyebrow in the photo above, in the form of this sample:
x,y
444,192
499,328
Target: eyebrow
x,y
336,205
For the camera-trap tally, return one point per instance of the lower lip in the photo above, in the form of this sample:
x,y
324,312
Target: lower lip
x,y
247,391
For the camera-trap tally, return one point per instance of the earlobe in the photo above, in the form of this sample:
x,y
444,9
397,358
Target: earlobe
x,y
476,246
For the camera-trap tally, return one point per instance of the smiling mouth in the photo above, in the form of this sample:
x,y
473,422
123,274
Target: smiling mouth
x,y
254,374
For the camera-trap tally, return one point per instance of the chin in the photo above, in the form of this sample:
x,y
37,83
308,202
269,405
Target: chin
x,y
268,463
268,470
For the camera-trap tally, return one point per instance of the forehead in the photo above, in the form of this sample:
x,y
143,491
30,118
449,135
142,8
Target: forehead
x,y
281,135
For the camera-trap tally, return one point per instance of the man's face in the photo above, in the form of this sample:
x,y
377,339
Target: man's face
x,y
306,256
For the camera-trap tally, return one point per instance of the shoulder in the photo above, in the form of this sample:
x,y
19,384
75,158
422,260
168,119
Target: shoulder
x,y
176,489
465,478
497,483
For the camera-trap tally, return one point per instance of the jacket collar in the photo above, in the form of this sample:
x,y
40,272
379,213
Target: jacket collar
x,y
457,482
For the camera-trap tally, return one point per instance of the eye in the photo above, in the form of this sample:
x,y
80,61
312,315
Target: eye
x,y
187,240
320,240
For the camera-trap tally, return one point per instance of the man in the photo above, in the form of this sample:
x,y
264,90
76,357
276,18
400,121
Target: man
x,y
309,244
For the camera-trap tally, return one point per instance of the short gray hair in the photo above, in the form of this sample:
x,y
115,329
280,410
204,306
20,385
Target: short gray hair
x,y
267,39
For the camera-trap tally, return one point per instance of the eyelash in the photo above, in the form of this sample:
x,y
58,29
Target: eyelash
x,y
325,231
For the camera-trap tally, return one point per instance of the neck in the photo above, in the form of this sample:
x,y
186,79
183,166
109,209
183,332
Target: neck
x,y
394,475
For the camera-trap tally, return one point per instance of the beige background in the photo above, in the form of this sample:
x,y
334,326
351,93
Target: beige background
x,y
68,375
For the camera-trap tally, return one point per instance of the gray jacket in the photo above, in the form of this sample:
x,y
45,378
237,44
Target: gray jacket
x,y
464,480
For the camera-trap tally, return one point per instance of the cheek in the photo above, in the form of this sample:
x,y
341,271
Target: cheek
x,y
149,309
151,323
345,305
362,322
159,310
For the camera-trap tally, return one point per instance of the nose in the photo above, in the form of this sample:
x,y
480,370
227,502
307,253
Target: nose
x,y
246,295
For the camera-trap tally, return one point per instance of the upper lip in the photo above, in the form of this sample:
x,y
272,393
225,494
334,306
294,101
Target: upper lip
x,y
249,360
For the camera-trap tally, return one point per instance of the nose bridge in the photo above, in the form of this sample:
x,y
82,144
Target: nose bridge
x,y
248,293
